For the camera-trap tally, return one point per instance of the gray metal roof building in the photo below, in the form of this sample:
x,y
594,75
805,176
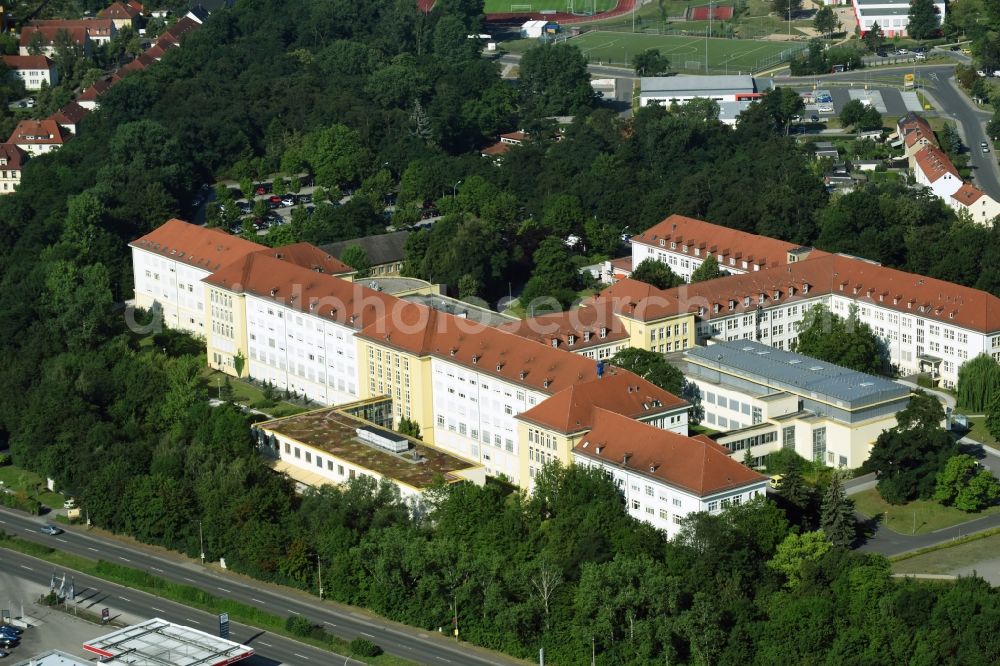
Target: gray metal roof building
x,y
755,367
687,87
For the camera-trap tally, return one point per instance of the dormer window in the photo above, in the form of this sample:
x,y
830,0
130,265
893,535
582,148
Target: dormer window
x,y
555,342
805,287
685,248
776,295
662,242
586,336
604,332
732,261
732,304
701,310
571,340
746,301
716,307
744,264
697,252
673,245
791,291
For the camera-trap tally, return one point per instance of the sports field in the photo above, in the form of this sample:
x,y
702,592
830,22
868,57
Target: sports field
x,y
535,6
685,53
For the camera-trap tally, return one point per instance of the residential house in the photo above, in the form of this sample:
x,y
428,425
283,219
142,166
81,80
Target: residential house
x,y
826,150
916,134
506,142
766,399
89,98
981,207
683,243
37,137
664,476
933,169
70,116
44,38
123,14
12,159
35,71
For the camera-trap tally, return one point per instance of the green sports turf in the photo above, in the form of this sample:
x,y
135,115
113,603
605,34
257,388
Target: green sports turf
x,y
724,55
503,6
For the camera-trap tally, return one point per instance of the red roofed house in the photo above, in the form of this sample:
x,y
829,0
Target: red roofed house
x,y
70,116
122,14
37,137
98,30
664,476
45,37
12,161
933,168
981,207
915,133
683,243
595,332
33,70
506,142
88,99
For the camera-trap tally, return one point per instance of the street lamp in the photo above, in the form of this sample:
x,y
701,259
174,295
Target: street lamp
x,y
454,189
201,541
319,575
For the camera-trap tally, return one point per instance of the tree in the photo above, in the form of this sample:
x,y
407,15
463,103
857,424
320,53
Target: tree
x,y
409,427
554,277
847,342
907,458
657,274
874,38
239,362
993,416
798,550
554,80
709,270
978,383
851,113
786,8
966,484
356,257
924,20
825,21
652,367
650,63
837,514
870,120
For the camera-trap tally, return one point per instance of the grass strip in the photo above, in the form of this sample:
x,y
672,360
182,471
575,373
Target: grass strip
x,y
191,596
948,544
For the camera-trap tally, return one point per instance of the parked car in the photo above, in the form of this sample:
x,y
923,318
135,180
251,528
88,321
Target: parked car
x,y
4,653
305,198
17,631
920,56
10,634
8,642
245,207
985,146
262,189
51,529
288,200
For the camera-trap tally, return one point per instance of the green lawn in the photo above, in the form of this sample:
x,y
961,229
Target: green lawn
x,y
980,433
947,560
685,53
21,479
925,515
247,394
579,6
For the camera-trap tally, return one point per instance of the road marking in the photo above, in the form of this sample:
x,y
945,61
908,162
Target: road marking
x,y
301,656
189,579
156,569
363,633
89,548
255,600
190,620
293,611
224,590
24,566
124,599
158,610
443,659
265,644
62,540
329,623
124,559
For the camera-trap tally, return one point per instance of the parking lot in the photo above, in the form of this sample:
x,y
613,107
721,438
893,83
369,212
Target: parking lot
x,y
888,101
51,629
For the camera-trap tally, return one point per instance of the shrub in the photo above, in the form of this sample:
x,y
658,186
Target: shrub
x,y
298,625
365,648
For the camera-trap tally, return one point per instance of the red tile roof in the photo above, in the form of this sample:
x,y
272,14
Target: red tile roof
x,y
37,133
201,247
95,27
935,163
423,331
304,289
860,280
310,257
71,114
27,62
515,138
583,324
496,149
574,409
723,242
49,34
622,264
968,194
119,10
14,156
694,464
638,300
155,51
91,94
181,28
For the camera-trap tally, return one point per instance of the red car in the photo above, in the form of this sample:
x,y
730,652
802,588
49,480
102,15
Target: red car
x,y
274,198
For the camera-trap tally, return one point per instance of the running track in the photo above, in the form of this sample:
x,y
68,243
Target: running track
x,y
623,7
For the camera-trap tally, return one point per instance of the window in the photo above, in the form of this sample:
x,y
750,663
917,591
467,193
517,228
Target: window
x,y
298,453
677,502
649,490
288,447
308,457
663,514
788,437
819,444
635,505
713,506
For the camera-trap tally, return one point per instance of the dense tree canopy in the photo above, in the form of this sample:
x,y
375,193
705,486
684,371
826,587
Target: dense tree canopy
x,y
652,367
847,342
656,273
978,383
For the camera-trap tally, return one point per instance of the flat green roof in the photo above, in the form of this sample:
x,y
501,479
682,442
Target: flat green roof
x,y
334,433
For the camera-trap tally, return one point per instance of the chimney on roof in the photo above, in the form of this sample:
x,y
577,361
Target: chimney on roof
x,y
546,383
522,375
454,350
475,360
625,458
274,292
653,467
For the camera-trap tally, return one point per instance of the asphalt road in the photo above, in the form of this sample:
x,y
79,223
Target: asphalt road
x,y
127,605
938,82
344,621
